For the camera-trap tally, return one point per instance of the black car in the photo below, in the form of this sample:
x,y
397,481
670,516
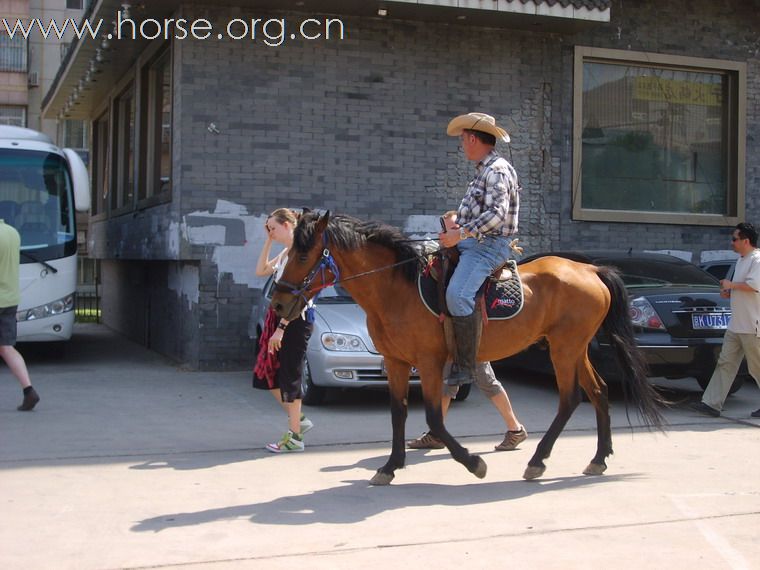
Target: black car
x,y
678,315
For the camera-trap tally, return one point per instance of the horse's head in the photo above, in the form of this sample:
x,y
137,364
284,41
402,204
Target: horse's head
x,y
310,267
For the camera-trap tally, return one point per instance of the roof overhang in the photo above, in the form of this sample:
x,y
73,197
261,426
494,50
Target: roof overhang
x,y
92,66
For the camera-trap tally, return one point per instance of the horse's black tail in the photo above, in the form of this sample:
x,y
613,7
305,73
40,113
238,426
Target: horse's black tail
x,y
618,329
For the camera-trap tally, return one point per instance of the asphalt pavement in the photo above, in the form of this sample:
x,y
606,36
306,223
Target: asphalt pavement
x,y
130,461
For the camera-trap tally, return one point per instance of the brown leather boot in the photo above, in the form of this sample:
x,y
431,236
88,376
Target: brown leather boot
x,y
467,337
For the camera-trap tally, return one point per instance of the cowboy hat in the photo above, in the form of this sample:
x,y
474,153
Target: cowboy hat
x,y
476,122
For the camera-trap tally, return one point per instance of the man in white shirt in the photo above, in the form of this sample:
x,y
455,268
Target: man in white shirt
x,y
742,338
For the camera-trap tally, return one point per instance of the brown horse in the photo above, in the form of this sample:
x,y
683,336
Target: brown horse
x,y
566,303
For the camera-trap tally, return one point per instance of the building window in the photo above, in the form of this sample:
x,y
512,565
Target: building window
x,y
157,81
124,150
74,134
74,4
13,115
100,161
12,53
658,138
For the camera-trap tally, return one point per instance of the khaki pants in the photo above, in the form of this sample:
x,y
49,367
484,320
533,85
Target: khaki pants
x,y
735,347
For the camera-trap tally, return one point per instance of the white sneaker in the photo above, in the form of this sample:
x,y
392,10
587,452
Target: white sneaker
x,y
287,444
306,425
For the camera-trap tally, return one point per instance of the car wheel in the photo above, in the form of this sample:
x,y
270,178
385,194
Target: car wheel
x,y
738,383
313,395
464,391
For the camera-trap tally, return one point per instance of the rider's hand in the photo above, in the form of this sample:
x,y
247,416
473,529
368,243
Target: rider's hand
x,y
275,341
451,237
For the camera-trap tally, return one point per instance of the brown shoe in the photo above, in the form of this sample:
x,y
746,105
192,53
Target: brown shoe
x,y
30,400
425,441
512,439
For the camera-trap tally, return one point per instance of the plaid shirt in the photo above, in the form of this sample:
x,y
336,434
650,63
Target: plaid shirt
x,y
492,201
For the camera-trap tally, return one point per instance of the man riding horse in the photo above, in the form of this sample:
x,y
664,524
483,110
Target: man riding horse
x,y
486,217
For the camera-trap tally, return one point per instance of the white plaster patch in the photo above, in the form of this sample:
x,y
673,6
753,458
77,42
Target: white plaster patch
x,y
226,208
206,235
185,281
685,255
174,238
240,261
422,224
716,254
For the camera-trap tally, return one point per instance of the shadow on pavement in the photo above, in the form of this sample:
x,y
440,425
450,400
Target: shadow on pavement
x,y
329,505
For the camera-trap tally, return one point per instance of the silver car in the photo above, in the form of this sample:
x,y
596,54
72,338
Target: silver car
x,y
340,353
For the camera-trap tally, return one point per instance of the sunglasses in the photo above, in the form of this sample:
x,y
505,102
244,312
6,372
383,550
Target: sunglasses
x,y
736,238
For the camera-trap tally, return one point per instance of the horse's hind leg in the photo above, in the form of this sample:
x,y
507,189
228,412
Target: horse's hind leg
x,y
398,379
569,398
596,389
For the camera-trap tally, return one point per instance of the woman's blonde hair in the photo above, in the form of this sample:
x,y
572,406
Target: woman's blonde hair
x,y
282,215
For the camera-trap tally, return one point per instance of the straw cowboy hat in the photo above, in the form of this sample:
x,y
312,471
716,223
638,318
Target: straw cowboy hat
x,y
476,122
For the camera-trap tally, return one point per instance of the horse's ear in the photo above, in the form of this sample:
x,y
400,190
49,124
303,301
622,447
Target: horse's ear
x,y
322,222
305,210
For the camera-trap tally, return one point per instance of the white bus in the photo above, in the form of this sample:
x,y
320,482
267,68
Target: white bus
x,y
41,186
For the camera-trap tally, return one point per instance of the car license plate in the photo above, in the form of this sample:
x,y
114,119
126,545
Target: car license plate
x,y
710,320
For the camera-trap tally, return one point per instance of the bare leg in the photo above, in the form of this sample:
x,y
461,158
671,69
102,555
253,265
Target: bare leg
x,y
16,364
292,409
504,406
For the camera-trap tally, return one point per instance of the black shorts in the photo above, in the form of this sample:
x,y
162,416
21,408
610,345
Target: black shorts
x,y
294,343
8,326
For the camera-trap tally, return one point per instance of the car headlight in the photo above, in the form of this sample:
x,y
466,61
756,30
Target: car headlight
x,y
62,305
343,342
643,315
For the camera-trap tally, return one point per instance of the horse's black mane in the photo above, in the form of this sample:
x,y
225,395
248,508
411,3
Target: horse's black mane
x,y
346,232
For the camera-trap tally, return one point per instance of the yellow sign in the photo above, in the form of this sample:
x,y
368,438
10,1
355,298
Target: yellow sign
x,y
672,91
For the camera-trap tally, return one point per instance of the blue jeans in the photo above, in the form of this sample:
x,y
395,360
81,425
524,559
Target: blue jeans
x,y
477,260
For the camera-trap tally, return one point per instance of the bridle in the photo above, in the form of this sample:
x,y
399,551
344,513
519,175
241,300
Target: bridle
x,y
326,263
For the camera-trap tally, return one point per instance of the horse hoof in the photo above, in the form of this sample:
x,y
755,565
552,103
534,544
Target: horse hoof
x,y
480,467
595,469
381,478
533,472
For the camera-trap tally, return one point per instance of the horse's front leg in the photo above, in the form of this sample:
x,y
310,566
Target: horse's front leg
x,y
398,384
432,389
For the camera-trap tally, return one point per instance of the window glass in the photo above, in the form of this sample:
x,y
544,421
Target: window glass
x,y
654,139
13,115
100,164
36,198
12,53
157,148
124,151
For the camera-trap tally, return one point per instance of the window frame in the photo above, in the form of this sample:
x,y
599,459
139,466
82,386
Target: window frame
x,y
735,111
122,172
4,119
100,163
22,46
149,193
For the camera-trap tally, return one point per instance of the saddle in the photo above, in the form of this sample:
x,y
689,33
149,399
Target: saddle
x,y
500,297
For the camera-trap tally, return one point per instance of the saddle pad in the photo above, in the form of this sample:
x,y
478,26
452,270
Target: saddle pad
x,y
503,299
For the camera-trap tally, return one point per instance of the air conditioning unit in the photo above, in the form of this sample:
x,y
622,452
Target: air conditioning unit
x,y
34,79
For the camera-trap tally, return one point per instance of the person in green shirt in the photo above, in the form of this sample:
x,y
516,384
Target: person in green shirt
x,y
10,295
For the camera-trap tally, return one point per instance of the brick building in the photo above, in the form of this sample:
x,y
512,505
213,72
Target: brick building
x,y
655,103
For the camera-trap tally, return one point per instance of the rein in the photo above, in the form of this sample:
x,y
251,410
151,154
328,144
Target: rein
x,y
327,262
